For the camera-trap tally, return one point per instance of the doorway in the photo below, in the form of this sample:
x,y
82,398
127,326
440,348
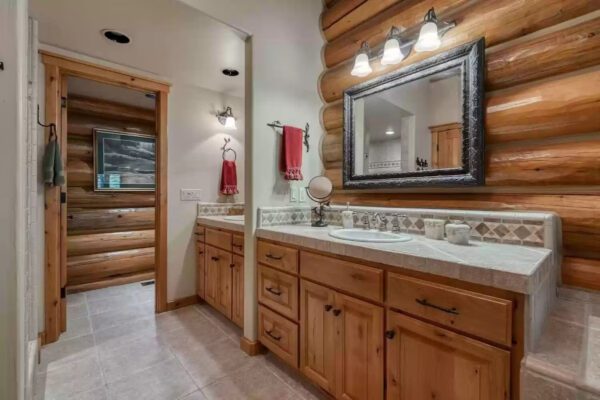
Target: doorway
x,y
109,231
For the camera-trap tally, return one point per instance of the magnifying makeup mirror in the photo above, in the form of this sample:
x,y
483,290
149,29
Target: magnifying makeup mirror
x,y
319,190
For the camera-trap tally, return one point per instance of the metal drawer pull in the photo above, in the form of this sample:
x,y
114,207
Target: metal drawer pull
x,y
274,291
337,312
232,265
328,307
390,334
200,252
278,338
214,258
425,303
272,257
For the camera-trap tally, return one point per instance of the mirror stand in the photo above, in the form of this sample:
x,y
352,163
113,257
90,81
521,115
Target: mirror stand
x,y
320,212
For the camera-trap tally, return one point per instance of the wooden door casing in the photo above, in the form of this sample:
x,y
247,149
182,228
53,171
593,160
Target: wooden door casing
x,y
427,362
317,334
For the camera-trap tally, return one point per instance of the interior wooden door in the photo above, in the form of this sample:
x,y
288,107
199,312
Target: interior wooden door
x,y
427,362
446,146
359,352
211,285
317,334
237,301
200,269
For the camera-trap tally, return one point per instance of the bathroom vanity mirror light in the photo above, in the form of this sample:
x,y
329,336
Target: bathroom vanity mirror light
x,y
319,190
227,119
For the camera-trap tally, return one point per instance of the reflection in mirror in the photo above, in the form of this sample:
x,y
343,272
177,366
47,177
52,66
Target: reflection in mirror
x,y
415,126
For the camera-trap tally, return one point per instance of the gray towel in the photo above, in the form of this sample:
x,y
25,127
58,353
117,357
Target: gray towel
x,y
54,174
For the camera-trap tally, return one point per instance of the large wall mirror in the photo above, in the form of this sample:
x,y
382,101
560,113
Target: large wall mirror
x,y
419,126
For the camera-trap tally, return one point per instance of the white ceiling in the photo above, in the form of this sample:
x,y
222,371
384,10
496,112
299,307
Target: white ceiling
x,y
169,38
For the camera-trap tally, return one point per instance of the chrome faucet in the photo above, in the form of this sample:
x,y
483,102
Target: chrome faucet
x,y
366,221
396,222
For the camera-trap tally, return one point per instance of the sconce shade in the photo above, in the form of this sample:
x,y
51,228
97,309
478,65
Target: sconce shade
x,y
227,119
230,123
392,52
362,67
429,38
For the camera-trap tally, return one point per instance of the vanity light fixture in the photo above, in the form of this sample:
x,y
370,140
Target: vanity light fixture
x,y
226,119
429,37
390,132
362,67
393,51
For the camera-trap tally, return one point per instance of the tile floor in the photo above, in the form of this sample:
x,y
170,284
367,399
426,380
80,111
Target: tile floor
x,y
116,348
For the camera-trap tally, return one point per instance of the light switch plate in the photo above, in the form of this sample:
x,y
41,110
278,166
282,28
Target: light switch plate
x,y
191,194
294,194
302,195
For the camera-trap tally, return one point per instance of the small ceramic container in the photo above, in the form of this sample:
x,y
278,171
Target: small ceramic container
x,y
434,228
348,219
458,233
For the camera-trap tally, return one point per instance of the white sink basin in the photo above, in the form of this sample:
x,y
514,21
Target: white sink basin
x,y
371,236
239,218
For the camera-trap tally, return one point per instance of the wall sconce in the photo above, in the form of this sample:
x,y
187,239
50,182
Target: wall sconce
x,y
362,67
429,38
226,119
393,52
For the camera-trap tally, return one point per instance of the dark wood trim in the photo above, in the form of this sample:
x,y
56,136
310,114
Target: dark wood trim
x,y
183,302
251,347
160,219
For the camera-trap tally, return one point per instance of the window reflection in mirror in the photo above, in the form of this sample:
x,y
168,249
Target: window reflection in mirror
x,y
412,127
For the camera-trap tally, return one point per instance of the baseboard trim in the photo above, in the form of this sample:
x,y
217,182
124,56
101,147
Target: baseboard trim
x,y
251,347
183,302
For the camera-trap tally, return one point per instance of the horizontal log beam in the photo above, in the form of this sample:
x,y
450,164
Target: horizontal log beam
x,y
89,268
333,116
80,173
581,272
109,109
84,125
86,197
95,243
109,220
79,148
497,21
337,11
113,281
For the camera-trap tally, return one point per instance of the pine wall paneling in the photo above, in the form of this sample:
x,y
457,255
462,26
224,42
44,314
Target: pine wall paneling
x,y
542,108
110,234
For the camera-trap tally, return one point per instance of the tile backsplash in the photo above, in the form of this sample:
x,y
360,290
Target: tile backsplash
x,y
212,209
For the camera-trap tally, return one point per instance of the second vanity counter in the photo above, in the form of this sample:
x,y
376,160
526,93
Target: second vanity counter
x,y
222,222
509,267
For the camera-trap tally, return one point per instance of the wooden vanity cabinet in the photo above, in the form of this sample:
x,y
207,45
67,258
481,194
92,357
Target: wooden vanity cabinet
x,y
220,271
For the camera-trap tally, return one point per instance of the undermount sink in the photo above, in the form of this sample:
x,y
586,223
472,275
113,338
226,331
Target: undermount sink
x,y
371,236
234,218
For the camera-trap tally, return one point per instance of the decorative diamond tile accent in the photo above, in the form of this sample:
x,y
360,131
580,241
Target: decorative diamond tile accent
x,y
522,232
482,228
501,230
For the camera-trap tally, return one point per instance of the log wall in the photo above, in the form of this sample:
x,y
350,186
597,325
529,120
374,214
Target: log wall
x,y
542,108
110,234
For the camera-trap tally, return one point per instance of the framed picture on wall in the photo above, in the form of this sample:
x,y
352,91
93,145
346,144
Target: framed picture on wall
x,y
124,161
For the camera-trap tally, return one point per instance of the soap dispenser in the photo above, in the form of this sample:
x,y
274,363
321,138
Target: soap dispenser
x,y
347,218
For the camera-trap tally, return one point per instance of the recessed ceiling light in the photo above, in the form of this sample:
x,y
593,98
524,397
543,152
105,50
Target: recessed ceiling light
x,y
230,72
115,36
390,132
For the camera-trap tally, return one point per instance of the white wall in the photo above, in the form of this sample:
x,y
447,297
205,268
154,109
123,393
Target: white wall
x,y
195,157
13,105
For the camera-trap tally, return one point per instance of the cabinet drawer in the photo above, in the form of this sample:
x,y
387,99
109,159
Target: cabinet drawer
x,y
278,335
237,244
357,279
481,315
218,239
279,291
280,257
199,232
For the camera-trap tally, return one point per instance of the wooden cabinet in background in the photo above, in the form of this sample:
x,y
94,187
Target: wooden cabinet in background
x,y
200,269
446,146
237,295
428,362
218,279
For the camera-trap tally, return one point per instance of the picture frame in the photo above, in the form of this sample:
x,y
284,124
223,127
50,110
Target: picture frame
x,y
124,161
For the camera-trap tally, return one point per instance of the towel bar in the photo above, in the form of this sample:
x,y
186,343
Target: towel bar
x,y
278,124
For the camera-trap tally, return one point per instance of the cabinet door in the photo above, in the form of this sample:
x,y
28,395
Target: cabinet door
x,y
359,353
317,334
237,306
211,284
427,362
218,279
200,269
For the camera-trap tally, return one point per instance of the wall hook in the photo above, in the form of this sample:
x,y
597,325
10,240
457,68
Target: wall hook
x,y
52,126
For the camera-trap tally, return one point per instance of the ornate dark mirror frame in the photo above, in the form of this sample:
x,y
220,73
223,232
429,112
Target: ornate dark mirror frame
x,y
471,58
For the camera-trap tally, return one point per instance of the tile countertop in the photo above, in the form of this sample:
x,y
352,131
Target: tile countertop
x,y
514,268
222,222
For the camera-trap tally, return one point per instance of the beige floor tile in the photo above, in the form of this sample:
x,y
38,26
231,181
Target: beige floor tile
x,y
115,317
78,376
75,299
163,381
216,360
196,333
77,327
228,327
125,332
77,310
197,395
181,318
109,292
102,305
294,379
57,354
250,383
132,357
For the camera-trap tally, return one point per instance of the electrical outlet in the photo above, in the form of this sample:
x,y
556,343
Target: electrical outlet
x,y
191,194
294,194
303,195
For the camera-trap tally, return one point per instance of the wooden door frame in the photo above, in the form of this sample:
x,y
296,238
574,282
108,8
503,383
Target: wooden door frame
x,y
59,67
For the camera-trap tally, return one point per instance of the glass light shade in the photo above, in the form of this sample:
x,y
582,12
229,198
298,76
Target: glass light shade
x,y
390,132
230,123
392,53
429,39
362,67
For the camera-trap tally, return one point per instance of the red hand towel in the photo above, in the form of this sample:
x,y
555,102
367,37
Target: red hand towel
x,y
291,153
229,178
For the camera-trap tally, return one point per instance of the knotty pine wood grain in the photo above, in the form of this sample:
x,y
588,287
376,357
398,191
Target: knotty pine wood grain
x,y
112,281
80,173
338,11
79,245
84,125
109,220
581,272
85,197
79,148
109,109
498,21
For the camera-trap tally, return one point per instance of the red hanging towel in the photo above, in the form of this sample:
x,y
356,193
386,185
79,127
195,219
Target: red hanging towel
x,y
229,178
290,162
